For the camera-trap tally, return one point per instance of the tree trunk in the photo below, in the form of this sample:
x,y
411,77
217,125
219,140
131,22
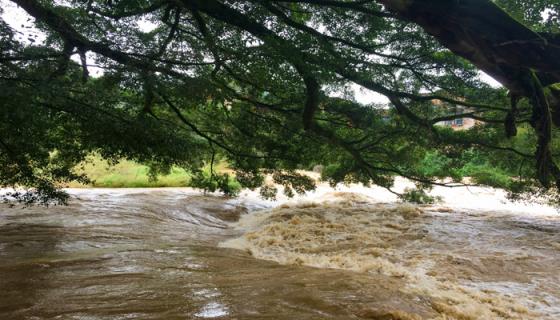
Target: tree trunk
x,y
484,34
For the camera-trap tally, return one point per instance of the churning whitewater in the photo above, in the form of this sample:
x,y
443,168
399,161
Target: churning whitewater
x,y
350,253
463,264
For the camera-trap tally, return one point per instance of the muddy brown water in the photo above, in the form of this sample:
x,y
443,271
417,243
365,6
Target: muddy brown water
x,y
160,254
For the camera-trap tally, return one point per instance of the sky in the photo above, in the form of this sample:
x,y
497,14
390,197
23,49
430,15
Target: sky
x,y
19,20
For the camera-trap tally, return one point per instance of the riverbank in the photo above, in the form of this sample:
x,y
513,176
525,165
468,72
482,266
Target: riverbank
x,y
126,174
130,174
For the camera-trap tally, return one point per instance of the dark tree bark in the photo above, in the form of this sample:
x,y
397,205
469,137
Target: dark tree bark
x,y
484,34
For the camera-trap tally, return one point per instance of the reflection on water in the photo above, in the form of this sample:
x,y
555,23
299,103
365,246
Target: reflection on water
x,y
160,254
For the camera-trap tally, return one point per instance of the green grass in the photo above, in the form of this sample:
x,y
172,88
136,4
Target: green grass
x,y
127,174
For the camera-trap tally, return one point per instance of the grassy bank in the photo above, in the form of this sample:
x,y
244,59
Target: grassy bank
x,y
127,174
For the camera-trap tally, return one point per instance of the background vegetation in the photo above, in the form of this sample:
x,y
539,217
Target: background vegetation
x,y
264,86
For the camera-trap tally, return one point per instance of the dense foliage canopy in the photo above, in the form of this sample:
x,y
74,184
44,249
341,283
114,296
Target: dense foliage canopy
x,y
266,86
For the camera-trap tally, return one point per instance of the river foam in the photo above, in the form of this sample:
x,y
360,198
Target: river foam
x,y
467,264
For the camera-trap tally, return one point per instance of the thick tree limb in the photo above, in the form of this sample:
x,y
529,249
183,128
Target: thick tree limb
x,y
484,34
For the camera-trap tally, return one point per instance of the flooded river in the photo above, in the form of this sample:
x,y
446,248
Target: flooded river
x,y
347,254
